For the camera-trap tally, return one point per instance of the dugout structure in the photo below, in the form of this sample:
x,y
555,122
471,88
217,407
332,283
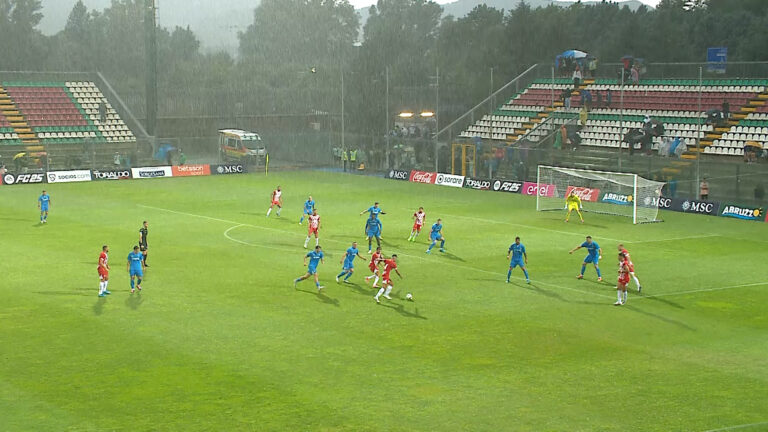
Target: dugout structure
x,y
612,193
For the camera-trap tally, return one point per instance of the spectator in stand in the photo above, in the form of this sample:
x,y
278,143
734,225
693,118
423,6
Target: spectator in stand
x,y
566,95
608,98
726,109
576,77
751,148
592,66
586,98
583,116
635,75
704,189
598,99
558,144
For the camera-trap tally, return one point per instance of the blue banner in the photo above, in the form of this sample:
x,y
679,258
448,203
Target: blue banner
x,y
717,57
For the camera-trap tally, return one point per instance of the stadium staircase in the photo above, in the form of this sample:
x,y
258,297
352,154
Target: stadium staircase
x,y
61,119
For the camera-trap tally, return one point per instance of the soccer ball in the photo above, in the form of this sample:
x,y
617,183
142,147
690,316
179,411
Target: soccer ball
x,y
409,296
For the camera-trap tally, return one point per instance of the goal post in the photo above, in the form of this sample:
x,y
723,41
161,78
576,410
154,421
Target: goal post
x,y
612,193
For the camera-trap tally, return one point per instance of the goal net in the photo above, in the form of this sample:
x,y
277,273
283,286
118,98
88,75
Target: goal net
x,y
613,193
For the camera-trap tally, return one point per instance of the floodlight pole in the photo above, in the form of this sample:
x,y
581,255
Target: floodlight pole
x,y
437,110
698,138
150,39
343,147
621,118
386,109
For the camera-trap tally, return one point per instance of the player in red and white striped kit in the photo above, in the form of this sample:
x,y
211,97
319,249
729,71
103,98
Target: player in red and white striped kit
x,y
314,226
418,223
623,281
277,200
103,270
625,253
373,266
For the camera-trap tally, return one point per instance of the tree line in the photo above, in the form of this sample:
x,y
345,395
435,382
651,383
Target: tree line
x,y
293,55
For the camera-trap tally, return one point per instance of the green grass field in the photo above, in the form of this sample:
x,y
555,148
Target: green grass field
x,y
220,340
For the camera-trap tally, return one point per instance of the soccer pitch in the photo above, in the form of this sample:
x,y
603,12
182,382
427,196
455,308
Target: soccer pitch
x,y
220,340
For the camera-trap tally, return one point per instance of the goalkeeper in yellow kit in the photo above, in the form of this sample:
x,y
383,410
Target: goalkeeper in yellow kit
x,y
573,202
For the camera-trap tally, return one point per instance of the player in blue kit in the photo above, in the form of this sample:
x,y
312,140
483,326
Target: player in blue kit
x,y
349,262
435,235
519,258
309,205
593,256
374,211
136,268
315,257
373,229
44,204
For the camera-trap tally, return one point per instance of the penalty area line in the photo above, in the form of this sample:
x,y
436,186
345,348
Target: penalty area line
x,y
741,426
678,293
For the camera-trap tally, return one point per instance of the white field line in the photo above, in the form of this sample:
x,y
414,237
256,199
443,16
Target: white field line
x,y
703,290
675,238
239,224
742,426
226,234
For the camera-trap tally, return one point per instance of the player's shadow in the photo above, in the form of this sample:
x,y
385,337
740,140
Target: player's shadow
x,y
663,300
37,225
134,301
321,297
628,306
539,290
358,289
452,256
400,308
98,307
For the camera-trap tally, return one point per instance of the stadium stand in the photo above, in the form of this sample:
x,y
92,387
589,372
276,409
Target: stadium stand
x,y
673,102
61,118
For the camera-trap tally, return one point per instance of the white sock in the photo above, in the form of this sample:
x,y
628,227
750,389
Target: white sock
x,y
618,295
376,280
306,241
637,281
106,283
278,211
625,297
389,290
381,291
101,287
269,211
317,241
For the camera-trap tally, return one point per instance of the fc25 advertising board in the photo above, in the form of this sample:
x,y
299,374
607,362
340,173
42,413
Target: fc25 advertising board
x,y
15,179
152,172
507,186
